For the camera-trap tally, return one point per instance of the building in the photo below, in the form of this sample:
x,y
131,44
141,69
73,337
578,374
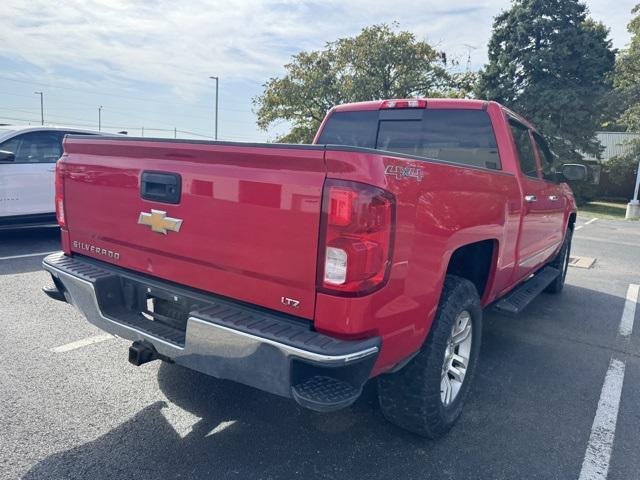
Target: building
x,y
615,144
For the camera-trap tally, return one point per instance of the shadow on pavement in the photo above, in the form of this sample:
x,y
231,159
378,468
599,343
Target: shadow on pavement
x,y
270,437
528,416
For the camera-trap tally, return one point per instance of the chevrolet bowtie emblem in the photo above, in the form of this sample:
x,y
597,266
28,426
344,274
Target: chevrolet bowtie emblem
x,y
159,222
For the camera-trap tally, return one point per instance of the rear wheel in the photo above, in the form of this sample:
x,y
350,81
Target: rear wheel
x,y
427,395
561,262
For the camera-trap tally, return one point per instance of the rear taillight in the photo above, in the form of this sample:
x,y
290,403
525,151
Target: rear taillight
x,y
356,238
408,103
60,194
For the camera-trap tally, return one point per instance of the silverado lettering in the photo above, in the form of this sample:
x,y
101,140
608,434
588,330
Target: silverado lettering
x,y
387,279
97,250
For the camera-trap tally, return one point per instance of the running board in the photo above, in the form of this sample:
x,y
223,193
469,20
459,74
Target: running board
x,y
516,300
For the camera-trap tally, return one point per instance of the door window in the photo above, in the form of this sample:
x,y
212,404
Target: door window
x,y
34,147
527,159
547,159
12,145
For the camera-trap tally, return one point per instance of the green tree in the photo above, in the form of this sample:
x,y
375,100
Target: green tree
x,y
627,87
627,76
462,85
378,63
551,63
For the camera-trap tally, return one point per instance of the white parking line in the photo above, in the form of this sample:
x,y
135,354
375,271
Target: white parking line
x,y
629,312
26,255
82,343
598,455
596,459
588,222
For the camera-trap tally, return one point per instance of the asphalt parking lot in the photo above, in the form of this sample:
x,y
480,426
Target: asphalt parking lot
x,y
540,403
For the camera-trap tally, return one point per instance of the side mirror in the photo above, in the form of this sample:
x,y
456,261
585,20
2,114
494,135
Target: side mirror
x,y
574,172
6,156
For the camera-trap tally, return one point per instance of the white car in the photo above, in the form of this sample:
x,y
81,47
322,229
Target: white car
x,y
27,173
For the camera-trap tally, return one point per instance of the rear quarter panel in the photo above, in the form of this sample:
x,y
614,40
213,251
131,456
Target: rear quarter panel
x,y
449,207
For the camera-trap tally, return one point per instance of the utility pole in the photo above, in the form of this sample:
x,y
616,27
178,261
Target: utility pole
x,y
469,49
100,118
41,107
216,130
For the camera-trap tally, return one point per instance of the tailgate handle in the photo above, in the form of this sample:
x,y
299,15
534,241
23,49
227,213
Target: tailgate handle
x,y
161,187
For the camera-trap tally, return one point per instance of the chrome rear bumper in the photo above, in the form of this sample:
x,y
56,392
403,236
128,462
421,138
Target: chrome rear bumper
x,y
222,338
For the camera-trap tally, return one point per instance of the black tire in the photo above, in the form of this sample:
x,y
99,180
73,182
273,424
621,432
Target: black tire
x,y
411,397
561,262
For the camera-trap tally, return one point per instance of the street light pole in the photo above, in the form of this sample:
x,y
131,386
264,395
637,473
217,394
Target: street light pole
x,y
41,107
633,207
637,190
100,118
216,130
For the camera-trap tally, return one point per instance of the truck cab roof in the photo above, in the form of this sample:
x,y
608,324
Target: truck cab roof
x,y
429,102
434,103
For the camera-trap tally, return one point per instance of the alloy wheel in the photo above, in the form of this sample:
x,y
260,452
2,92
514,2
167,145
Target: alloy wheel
x,y
456,358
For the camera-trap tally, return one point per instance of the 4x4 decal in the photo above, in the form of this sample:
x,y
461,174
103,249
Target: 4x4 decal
x,y
401,172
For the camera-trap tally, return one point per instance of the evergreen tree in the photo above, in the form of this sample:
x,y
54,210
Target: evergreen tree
x,y
627,85
551,63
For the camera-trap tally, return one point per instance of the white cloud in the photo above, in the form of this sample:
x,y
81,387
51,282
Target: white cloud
x,y
176,43
161,52
179,44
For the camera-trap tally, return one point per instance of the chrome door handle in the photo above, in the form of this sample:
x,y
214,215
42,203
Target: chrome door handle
x,y
553,198
530,198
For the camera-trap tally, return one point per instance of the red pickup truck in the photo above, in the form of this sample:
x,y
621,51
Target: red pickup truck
x,y
305,270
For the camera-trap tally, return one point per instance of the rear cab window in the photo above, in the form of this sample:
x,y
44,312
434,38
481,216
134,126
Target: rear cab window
x,y
461,136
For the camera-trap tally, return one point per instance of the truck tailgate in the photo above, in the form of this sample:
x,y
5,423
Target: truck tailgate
x,y
250,215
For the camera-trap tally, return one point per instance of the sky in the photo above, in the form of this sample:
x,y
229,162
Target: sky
x,y
148,63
